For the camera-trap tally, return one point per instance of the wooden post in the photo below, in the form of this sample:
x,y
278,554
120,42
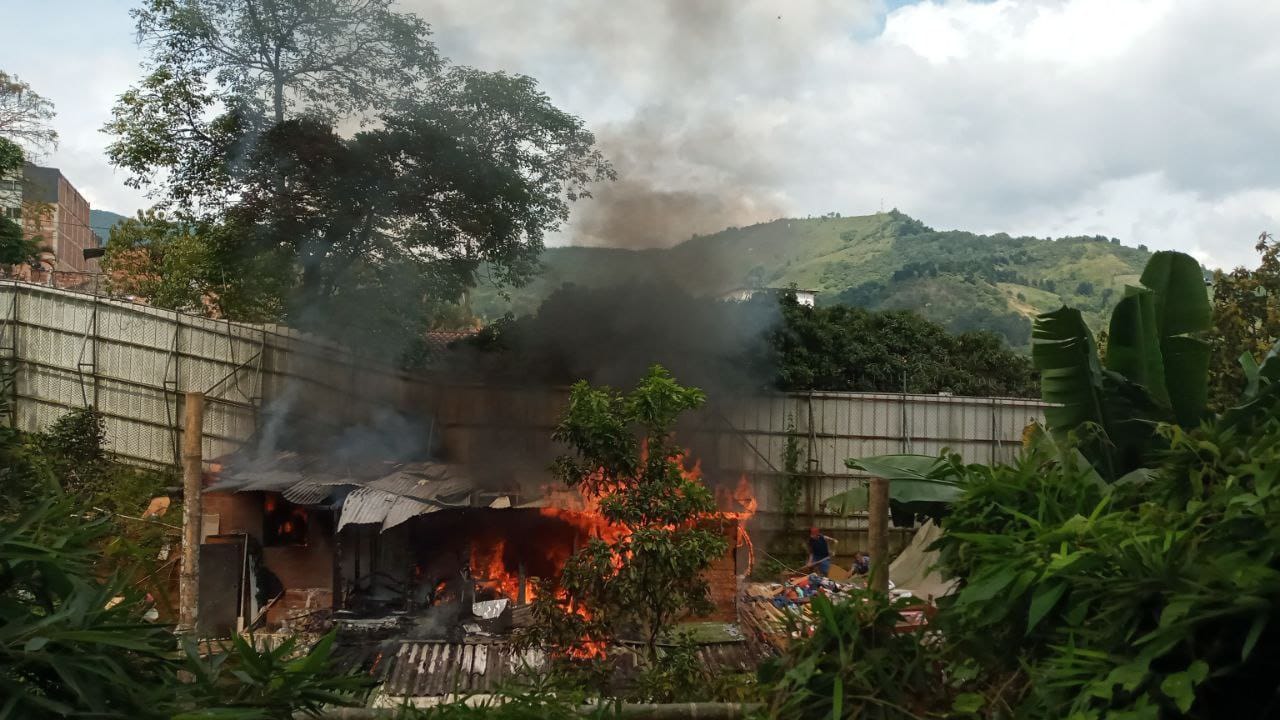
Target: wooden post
x,y
192,457
878,533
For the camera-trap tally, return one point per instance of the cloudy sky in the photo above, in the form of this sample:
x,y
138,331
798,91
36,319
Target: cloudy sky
x,y
1154,121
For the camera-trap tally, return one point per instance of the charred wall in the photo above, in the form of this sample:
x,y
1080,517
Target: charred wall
x,y
305,568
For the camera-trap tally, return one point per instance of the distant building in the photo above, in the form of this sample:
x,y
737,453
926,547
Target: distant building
x,y
804,297
55,211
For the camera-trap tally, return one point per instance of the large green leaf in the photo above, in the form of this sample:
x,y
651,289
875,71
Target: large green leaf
x,y
1133,343
1112,417
1063,350
912,479
1181,299
905,467
1182,312
1186,368
1261,395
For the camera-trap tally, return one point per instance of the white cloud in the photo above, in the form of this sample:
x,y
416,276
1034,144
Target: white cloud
x,y
1148,120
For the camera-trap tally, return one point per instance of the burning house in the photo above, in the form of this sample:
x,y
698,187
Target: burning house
x,y
418,547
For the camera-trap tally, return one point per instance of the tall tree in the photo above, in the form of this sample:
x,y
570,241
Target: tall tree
x,y
351,235
25,115
15,246
324,58
221,71
1246,320
380,226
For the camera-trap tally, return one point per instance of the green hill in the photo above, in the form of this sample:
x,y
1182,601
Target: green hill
x,y
883,261
101,221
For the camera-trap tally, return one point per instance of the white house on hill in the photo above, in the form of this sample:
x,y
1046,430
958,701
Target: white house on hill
x,y
804,297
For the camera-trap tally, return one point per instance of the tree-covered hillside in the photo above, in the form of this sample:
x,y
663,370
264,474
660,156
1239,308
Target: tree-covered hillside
x,y
882,261
101,222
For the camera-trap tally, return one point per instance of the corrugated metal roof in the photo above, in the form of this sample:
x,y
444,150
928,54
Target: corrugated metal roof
x,y
440,340
412,490
405,508
370,506
425,669
243,472
378,499
432,669
313,492
427,481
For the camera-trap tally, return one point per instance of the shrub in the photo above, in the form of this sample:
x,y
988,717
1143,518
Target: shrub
x,y
855,665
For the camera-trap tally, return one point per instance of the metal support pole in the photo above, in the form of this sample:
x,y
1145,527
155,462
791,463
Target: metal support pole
x,y
192,457
878,533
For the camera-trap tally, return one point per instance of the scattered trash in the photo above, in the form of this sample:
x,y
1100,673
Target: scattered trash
x,y
158,507
164,552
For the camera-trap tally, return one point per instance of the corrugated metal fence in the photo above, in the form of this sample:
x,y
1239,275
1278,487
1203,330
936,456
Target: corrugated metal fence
x,y
65,350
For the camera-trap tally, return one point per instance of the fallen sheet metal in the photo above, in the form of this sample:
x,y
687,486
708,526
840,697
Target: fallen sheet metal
x,y
370,506
914,569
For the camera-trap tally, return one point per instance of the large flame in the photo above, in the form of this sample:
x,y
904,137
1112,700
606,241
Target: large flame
x,y
496,570
489,567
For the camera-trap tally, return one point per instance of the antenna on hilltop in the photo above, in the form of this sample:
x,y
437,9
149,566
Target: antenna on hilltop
x,y
881,204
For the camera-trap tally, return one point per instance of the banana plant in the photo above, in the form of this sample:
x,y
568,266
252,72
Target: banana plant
x,y
1262,389
918,484
1156,366
1156,370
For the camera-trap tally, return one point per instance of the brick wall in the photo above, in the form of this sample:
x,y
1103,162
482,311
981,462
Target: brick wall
x,y
722,581
305,571
722,577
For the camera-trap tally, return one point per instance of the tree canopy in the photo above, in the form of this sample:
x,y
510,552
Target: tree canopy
x,y
358,236
221,72
847,348
1246,320
25,115
608,334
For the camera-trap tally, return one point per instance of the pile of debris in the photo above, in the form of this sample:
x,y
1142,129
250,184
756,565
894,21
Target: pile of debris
x,y
778,612
800,590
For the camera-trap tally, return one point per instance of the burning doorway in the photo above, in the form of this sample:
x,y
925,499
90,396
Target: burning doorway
x,y
455,556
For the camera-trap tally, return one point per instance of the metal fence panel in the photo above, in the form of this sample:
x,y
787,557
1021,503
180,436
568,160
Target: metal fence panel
x,y
133,362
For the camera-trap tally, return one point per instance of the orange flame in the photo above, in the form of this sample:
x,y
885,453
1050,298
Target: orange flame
x,y
580,509
489,568
744,497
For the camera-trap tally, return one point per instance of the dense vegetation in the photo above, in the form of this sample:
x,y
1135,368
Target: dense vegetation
x,y
1246,321
885,261
1126,565
612,334
79,576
